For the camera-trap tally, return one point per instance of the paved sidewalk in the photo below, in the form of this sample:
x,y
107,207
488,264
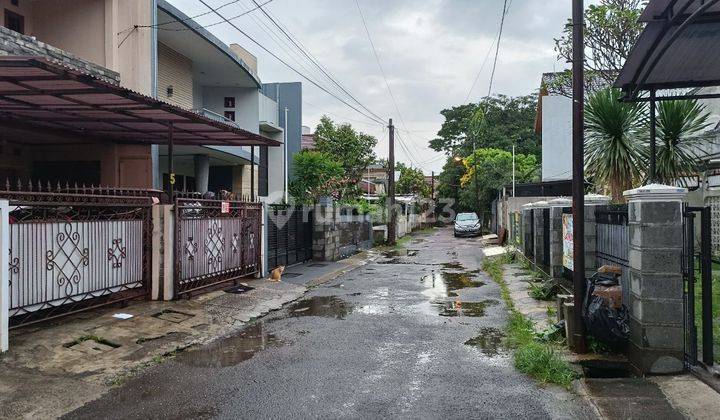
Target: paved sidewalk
x,y
57,366
662,397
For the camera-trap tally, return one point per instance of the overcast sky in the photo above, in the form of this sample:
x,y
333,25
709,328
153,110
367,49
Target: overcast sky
x,y
431,51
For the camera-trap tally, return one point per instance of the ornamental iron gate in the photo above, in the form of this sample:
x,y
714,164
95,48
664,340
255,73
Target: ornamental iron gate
x,y
698,295
290,232
215,242
72,252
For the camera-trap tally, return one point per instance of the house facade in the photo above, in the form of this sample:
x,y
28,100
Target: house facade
x,y
152,48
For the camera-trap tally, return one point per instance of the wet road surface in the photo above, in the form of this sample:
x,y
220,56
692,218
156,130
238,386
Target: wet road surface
x,y
414,333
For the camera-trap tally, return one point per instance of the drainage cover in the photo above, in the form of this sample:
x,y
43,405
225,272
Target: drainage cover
x,y
317,265
241,288
173,316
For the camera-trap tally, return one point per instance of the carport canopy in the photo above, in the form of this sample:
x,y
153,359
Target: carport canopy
x,y
37,93
679,48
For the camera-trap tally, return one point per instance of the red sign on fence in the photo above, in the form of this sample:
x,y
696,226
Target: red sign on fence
x,y
225,207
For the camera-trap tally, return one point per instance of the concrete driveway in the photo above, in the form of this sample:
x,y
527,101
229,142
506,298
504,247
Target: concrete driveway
x,y
412,333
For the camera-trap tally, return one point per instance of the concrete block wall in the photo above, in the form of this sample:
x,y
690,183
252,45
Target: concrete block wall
x,y
656,280
526,220
539,233
337,233
13,43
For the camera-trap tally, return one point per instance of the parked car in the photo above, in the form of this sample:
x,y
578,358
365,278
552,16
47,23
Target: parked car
x,y
467,224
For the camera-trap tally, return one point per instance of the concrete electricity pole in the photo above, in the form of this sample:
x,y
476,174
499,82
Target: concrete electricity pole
x,y
578,184
391,185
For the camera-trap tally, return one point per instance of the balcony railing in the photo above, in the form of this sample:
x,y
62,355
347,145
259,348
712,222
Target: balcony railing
x,y
215,116
268,111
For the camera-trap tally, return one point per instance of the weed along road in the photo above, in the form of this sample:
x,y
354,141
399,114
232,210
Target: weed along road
x,y
416,332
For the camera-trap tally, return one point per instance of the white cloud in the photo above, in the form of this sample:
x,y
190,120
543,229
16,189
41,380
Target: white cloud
x,y
431,51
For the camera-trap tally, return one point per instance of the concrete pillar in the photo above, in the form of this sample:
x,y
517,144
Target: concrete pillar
x,y
556,236
4,276
656,280
264,269
163,253
202,172
526,227
539,239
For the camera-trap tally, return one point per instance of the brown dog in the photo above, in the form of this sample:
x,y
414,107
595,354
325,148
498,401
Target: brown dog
x,y
276,274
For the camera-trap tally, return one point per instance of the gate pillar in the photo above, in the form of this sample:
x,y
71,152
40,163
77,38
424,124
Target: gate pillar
x,y
526,221
539,239
556,237
655,220
163,252
591,203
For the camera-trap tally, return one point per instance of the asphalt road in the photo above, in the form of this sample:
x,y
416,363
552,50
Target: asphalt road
x,y
385,340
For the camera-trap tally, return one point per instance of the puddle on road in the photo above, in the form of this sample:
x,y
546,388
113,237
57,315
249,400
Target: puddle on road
x,y
442,284
490,341
400,253
472,309
453,266
324,306
232,350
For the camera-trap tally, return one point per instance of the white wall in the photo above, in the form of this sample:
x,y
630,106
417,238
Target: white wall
x,y
556,138
247,104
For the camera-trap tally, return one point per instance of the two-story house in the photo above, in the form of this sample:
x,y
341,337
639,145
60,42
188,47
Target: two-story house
x,y
152,48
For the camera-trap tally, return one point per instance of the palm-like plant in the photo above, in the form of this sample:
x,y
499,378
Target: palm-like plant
x,y
614,149
680,126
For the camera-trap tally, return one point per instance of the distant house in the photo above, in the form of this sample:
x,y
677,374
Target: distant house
x,y
308,139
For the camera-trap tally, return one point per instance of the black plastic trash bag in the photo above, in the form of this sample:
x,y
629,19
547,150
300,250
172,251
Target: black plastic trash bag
x,y
602,321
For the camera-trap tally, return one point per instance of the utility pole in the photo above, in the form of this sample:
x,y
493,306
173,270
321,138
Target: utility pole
x,y
285,159
578,184
513,171
432,185
391,185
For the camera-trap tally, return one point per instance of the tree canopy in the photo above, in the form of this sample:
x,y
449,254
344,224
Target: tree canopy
x,y
412,181
508,120
611,29
317,174
494,170
351,148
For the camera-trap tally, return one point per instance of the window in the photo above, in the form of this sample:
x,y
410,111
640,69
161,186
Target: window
x,y
14,21
229,102
230,115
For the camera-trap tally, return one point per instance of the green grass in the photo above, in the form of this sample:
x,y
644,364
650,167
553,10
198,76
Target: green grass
x,y
537,359
715,308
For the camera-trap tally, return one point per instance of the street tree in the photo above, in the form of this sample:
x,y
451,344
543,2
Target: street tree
x,y
493,169
317,174
412,181
352,149
508,120
611,30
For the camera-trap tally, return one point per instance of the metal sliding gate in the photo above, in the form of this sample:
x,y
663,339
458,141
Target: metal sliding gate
x,y
698,293
215,242
72,252
612,243
290,232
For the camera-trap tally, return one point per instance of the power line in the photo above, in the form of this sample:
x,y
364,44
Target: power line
x,y
312,58
497,47
382,71
379,121
190,18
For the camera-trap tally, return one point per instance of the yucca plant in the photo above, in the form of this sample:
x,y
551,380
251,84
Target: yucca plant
x,y
614,146
680,140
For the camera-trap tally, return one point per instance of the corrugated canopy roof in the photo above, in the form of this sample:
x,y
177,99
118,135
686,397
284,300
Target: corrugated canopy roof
x,y
691,60
38,93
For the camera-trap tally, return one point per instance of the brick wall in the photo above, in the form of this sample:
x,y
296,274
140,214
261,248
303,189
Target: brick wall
x,y
13,43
